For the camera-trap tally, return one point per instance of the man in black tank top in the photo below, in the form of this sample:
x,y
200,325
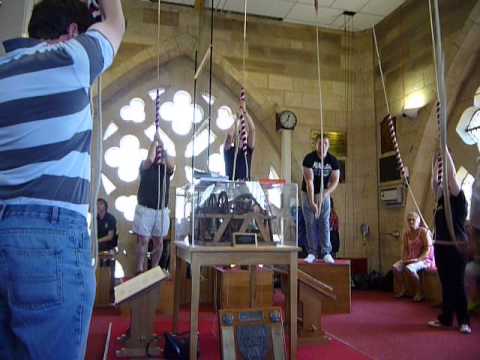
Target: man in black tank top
x,y
152,216
243,162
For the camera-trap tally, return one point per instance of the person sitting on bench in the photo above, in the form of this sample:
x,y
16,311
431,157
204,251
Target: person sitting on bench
x,y
106,227
417,255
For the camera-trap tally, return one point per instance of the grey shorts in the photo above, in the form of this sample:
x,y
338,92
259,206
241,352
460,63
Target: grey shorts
x,y
148,222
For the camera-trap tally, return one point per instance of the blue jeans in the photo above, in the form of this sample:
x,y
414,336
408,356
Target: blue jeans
x,y
318,230
47,283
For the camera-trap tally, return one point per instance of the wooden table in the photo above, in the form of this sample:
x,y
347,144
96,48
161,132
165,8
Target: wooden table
x,y
198,256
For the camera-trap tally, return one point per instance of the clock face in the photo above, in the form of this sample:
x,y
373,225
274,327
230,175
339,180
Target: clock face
x,y
288,119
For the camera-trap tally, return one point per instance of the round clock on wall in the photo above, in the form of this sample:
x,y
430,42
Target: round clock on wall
x,y
286,120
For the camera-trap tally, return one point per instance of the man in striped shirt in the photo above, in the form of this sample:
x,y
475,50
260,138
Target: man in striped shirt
x,y
47,284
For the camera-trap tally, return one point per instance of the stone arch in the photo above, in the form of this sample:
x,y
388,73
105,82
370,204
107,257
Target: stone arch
x,y
144,62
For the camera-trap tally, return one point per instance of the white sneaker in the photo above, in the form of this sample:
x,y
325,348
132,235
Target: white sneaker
x,y
310,258
465,329
436,324
329,259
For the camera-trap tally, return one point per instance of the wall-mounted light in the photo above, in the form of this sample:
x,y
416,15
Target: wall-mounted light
x,y
365,231
413,103
415,100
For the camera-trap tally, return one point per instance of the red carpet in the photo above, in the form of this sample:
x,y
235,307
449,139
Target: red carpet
x,y
390,329
209,345
379,327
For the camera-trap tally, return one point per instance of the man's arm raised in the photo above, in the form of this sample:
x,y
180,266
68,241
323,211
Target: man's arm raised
x,y
113,24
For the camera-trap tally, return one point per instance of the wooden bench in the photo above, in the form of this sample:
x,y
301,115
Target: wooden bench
x,y
430,284
104,280
431,287
336,275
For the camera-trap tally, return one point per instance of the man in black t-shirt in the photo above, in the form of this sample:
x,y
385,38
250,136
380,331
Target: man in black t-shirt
x,y
449,256
243,164
315,202
106,227
107,238
152,216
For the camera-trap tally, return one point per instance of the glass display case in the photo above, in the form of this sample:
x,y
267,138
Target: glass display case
x,y
213,212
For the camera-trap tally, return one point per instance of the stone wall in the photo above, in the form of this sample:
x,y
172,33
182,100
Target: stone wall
x,y
406,46
280,73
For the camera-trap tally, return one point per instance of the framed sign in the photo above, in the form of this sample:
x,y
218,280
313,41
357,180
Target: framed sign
x,y
255,333
338,142
244,239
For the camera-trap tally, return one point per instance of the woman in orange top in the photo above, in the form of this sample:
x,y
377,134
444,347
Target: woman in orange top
x,y
417,255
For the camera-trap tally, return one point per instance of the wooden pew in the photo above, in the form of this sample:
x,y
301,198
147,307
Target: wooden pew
x,y
430,284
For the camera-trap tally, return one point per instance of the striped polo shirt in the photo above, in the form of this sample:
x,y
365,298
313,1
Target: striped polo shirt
x,y
45,119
